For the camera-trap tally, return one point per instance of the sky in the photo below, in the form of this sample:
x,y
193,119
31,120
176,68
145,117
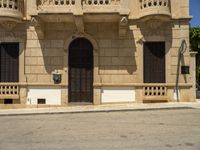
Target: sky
x,y
195,12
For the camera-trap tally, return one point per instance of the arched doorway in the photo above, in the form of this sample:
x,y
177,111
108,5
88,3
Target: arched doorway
x,y
81,71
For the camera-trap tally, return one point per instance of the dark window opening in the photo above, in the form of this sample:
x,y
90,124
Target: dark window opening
x,y
9,62
41,101
8,101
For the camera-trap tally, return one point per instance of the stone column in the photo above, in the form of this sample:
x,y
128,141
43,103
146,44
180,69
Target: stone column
x,y
23,94
22,77
97,80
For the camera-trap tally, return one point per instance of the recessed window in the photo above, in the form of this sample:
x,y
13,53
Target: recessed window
x,y
8,101
41,101
9,62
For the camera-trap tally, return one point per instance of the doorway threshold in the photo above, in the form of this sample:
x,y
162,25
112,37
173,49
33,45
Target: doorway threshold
x,y
79,103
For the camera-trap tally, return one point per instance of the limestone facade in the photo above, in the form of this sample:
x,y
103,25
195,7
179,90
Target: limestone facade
x,y
117,30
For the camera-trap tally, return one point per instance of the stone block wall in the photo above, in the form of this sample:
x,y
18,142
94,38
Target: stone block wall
x,y
117,57
45,54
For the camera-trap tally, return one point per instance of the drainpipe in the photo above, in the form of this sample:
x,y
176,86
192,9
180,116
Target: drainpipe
x,y
181,51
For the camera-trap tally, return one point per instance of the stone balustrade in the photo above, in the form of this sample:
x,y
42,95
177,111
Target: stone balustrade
x,y
154,7
56,2
155,93
72,2
102,6
9,90
11,9
101,2
154,90
82,6
57,6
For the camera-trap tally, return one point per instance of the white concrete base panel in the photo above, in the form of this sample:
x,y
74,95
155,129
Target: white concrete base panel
x,y
175,95
51,95
117,94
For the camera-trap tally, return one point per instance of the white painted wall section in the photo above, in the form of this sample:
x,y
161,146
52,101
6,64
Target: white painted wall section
x,y
52,95
117,94
175,95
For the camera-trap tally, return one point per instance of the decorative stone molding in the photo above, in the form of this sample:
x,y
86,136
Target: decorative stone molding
x,y
79,23
84,35
154,27
8,25
35,22
154,24
37,25
124,21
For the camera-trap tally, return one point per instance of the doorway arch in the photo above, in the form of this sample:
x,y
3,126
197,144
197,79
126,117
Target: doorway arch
x,y
80,75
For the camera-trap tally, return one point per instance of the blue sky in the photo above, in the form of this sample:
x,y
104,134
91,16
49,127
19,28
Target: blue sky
x,y
195,12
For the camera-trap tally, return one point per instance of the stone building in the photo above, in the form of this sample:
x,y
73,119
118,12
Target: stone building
x,y
57,52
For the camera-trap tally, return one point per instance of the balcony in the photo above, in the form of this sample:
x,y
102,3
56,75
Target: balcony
x,y
63,10
11,10
81,6
155,8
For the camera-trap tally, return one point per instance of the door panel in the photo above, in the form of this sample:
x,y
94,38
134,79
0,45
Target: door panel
x,y
154,62
81,71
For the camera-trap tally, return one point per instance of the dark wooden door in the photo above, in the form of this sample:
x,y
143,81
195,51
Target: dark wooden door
x,y
9,62
154,62
81,71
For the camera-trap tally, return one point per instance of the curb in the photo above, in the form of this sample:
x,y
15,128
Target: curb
x,y
93,111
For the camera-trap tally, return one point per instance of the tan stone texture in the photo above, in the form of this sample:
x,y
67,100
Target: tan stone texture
x,y
118,55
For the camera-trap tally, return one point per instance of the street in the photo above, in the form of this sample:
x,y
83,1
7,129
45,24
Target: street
x,y
132,130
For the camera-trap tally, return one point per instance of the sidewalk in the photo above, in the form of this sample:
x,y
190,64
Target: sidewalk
x,y
99,108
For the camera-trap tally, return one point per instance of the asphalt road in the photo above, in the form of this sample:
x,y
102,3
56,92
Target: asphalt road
x,y
136,130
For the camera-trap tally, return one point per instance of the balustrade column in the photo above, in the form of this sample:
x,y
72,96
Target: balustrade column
x,y
2,3
64,2
14,4
7,3
141,3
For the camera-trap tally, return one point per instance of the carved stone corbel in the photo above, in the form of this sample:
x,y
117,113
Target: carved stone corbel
x,y
79,24
154,27
38,26
123,27
8,25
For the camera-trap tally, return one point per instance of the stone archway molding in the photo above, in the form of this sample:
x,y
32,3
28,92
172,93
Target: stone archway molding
x,y
81,35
